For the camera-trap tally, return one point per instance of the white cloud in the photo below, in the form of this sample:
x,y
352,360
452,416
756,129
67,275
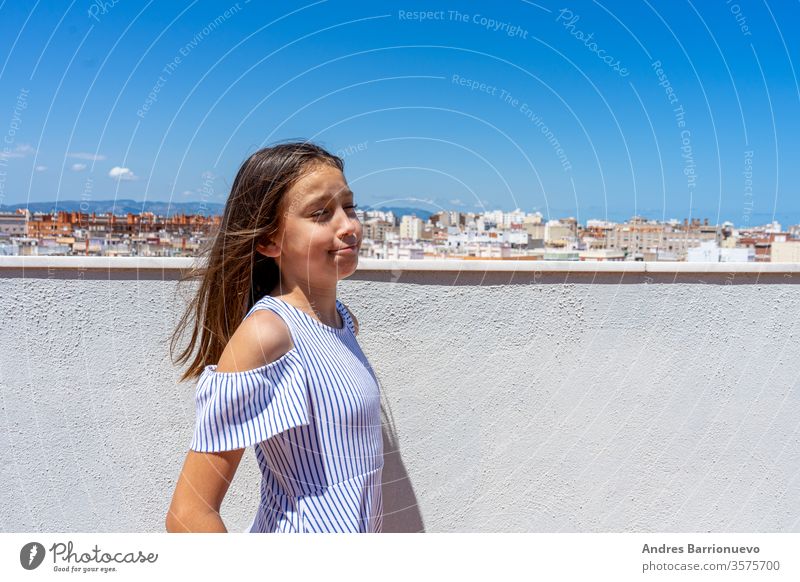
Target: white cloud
x,y
457,202
122,174
40,168
78,167
21,151
85,156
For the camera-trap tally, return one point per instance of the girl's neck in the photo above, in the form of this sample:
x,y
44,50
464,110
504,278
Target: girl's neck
x,y
320,303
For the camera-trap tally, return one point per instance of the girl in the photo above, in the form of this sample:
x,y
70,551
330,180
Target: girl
x,y
290,379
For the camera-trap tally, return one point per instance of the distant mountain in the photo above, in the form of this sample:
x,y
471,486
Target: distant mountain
x,y
123,206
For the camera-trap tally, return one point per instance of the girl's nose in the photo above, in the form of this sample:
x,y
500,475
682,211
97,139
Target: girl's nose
x,y
347,224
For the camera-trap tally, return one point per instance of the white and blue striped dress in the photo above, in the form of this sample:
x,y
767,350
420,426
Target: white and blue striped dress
x,y
313,417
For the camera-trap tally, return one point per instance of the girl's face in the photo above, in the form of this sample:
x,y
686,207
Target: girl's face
x,y
320,235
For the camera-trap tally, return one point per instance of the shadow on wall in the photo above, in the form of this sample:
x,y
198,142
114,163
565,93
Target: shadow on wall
x,y
400,507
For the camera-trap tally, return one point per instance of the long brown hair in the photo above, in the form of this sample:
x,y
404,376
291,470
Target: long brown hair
x,y
232,274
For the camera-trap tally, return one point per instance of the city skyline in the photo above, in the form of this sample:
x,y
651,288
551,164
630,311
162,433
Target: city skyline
x,y
75,206
391,233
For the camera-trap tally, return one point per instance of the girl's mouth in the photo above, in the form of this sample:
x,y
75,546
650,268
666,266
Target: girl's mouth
x,y
351,250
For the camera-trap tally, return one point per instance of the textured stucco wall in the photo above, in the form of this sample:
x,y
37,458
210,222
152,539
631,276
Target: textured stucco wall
x,y
513,401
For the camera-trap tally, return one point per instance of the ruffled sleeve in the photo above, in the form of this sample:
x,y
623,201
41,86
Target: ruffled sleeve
x,y
239,409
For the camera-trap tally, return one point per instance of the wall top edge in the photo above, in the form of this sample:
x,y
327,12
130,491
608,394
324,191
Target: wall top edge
x,y
181,263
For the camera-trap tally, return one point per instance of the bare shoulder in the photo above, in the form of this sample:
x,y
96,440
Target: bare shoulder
x,y
260,339
352,316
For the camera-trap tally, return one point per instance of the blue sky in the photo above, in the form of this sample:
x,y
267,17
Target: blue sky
x,y
557,107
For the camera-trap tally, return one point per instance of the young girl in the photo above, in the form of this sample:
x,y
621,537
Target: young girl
x,y
290,378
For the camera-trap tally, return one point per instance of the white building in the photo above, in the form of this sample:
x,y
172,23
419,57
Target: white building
x,y
534,218
484,251
596,223
710,252
515,217
393,250
707,252
455,238
493,217
601,255
14,223
785,252
555,230
516,237
411,228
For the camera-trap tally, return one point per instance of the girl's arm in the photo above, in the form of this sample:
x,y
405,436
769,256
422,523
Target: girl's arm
x,y
204,480
201,487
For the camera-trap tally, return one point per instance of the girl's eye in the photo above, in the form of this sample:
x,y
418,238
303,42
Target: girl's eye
x,y
321,212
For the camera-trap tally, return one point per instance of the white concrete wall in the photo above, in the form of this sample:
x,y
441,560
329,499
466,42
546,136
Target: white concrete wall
x,y
531,397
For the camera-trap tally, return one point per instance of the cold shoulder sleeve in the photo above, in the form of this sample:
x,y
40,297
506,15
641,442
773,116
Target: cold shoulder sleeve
x,y
239,409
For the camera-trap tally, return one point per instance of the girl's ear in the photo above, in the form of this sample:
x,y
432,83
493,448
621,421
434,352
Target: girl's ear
x,y
269,249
